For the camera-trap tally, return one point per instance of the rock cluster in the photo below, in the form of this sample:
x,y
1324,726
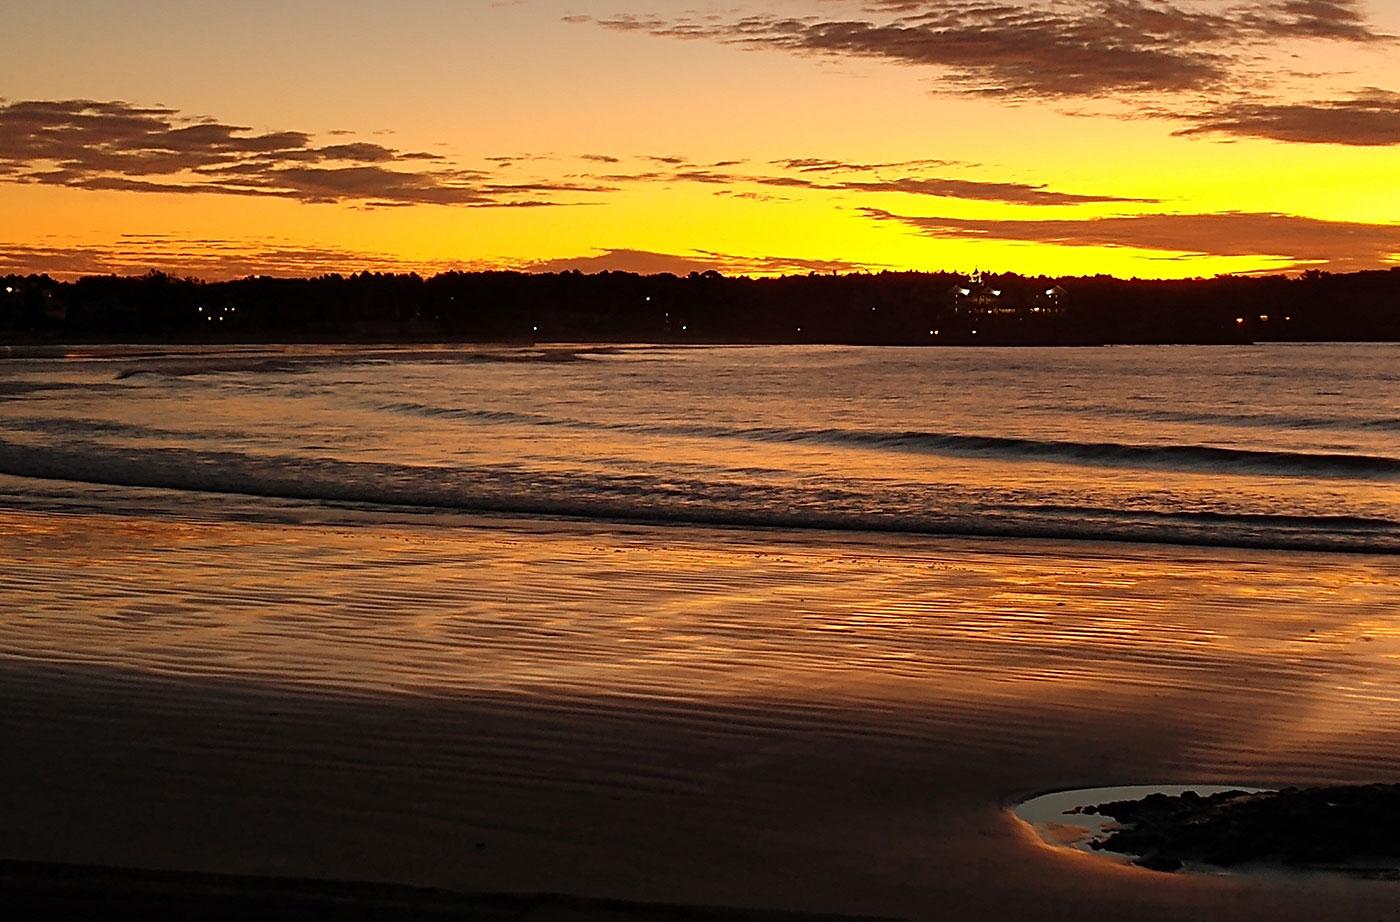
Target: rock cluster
x,y
1353,827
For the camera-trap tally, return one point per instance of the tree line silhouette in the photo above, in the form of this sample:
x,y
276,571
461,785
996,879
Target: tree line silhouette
x,y
880,308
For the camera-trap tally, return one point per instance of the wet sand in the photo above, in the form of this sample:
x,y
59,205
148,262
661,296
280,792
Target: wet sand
x,y
773,721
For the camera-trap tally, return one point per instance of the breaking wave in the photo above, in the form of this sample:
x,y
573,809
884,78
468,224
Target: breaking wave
x,y
663,498
1110,454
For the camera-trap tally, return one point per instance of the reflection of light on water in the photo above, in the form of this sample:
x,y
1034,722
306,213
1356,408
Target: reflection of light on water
x,y
492,605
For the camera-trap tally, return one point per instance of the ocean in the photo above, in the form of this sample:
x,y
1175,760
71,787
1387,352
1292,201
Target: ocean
x,y
1284,446
776,626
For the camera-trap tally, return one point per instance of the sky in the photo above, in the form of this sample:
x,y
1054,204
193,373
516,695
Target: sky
x,y
1143,138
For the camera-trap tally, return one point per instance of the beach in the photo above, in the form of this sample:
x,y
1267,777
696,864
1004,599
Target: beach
x,y
673,715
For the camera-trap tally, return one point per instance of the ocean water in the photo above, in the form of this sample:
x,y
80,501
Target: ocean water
x,y
1273,446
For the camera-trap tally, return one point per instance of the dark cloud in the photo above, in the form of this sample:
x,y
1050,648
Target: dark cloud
x,y
823,165
361,151
214,259
360,183
1081,48
1341,19
126,184
134,254
648,262
811,164
1292,241
941,187
753,196
116,146
1370,118
787,265
643,262
90,144
708,177
517,188
975,190
101,136
649,176
829,181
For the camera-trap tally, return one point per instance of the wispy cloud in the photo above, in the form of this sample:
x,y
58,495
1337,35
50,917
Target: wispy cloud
x,y
1369,118
1039,50
114,145
825,165
976,190
215,259
825,175
1289,241
133,254
649,262
117,146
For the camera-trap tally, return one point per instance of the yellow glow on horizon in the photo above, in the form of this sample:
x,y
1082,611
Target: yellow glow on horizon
x,y
687,222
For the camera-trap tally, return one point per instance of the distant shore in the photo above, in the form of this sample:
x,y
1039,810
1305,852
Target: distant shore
x,y
888,308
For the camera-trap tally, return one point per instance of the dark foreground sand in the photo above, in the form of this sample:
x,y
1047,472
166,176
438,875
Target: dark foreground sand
x,y
759,808
708,723
37,890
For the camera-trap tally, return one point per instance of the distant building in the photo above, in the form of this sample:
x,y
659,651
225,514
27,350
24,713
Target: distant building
x,y
981,297
1050,301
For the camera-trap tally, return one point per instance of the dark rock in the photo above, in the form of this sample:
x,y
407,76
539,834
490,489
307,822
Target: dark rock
x,y
1159,862
1305,827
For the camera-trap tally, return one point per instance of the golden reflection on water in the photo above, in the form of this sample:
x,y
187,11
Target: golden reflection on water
x,y
688,613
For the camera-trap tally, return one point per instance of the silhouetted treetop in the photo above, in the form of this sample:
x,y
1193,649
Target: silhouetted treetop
x,y
927,308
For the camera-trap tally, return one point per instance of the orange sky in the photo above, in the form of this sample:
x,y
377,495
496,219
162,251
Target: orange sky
x,y
1135,137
